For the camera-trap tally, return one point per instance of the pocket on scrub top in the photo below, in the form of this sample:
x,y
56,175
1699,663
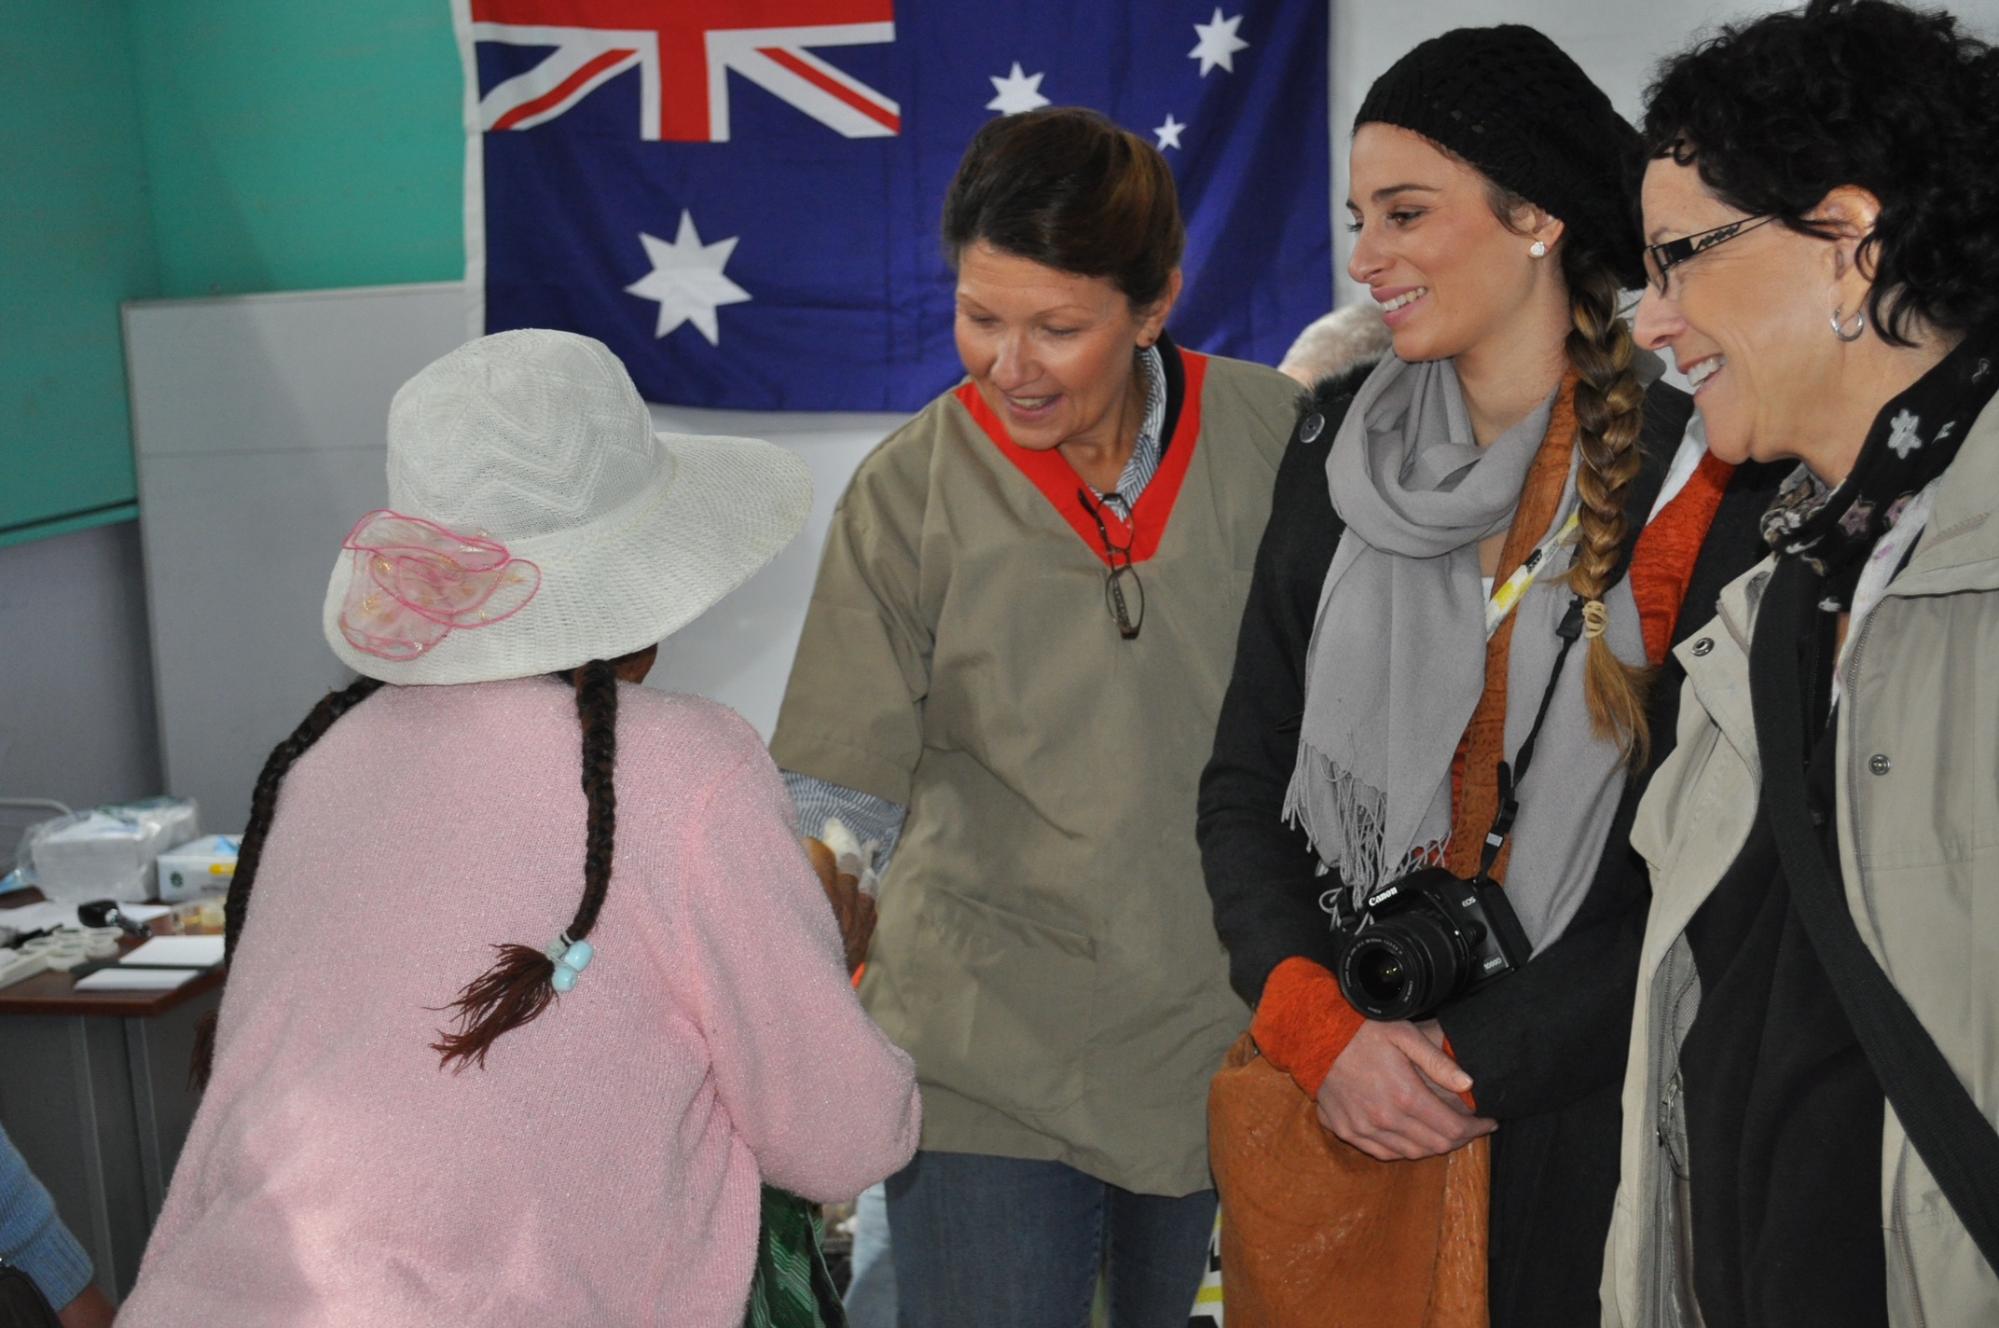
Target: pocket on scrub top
x,y
1003,1005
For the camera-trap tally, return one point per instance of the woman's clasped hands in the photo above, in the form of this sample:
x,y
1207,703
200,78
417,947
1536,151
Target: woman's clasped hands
x,y
1395,1093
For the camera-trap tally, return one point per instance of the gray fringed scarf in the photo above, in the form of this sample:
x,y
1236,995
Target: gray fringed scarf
x,y
1397,657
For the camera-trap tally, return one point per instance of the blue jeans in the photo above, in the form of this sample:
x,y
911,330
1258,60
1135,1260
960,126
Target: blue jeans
x,y
871,1293
1004,1242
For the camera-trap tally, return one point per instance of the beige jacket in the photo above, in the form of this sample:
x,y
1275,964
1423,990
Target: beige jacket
x,y
1918,818
1046,950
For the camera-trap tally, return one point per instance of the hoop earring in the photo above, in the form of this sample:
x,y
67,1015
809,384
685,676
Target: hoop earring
x,y
1538,249
1859,325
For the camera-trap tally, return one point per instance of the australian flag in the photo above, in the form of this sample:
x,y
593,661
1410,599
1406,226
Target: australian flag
x,y
742,197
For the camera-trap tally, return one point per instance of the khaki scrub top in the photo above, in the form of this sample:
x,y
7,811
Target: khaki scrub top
x,y
1045,950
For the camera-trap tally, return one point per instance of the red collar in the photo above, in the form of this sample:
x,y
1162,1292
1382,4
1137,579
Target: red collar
x,y
1051,472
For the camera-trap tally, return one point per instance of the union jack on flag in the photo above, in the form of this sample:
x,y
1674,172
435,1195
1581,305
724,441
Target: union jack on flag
x,y
684,54
741,197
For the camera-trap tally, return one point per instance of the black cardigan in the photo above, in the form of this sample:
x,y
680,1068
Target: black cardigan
x,y
1545,1046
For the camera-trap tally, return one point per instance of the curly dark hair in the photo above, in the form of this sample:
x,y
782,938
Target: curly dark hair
x,y
1776,113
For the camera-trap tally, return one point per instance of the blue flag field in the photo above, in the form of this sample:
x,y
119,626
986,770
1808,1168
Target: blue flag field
x,y
741,197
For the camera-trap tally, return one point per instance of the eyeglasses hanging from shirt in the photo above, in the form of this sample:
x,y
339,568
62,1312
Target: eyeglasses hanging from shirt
x,y
1124,594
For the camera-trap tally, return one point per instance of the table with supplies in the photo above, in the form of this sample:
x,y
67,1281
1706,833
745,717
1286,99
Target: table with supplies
x,y
94,1082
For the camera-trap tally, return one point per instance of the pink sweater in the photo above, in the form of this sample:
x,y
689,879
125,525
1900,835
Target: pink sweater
x,y
603,1169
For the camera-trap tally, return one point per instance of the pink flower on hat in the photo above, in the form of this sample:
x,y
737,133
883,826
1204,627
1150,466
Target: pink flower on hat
x,y
415,582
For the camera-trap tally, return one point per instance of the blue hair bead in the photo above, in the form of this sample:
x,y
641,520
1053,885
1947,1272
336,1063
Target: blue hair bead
x,y
563,978
578,956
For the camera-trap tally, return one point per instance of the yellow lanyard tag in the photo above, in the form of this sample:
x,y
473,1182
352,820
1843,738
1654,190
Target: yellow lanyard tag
x,y
1506,595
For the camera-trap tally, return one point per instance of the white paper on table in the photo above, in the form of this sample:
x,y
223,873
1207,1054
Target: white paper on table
x,y
35,917
176,952
120,978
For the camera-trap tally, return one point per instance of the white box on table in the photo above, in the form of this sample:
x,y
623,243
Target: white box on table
x,y
201,866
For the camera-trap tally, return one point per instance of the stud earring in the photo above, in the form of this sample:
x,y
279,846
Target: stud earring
x,y
1537,250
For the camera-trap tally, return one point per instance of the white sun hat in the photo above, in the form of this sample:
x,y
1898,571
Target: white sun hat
x,y
537,522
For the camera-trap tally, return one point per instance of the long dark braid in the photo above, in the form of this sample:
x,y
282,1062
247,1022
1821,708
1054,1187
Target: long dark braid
x,y
250,851
519,985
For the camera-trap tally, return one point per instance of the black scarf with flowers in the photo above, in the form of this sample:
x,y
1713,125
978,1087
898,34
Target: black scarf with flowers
x,y
1913,439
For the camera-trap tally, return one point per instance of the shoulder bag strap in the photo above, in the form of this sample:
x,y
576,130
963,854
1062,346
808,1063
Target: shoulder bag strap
x,y
1954,1137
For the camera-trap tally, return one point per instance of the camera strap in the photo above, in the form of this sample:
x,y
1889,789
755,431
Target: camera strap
x,y
1511,773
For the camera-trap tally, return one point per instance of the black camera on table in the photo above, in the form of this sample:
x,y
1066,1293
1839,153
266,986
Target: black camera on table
x,y
1426,939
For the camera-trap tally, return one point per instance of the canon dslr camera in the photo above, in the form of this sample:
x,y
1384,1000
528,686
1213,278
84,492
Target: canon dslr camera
x,y
1425,939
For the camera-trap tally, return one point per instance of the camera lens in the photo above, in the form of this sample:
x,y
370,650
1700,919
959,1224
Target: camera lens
x,y
1383,975
1402,968
1380,974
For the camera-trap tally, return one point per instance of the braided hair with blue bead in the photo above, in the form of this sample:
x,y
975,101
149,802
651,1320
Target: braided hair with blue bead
x,y
524,979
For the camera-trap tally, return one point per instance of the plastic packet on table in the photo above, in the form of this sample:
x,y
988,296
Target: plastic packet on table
x,y
204,915
107,852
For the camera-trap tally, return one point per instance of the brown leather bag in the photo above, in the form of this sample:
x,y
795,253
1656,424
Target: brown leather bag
x,y
1317,1234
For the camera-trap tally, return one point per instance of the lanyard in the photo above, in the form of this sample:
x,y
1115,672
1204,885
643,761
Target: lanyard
x,y
1507,595
1511,773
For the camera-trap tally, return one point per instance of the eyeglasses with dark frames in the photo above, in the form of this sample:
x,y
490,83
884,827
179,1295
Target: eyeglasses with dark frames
x,y
1122,588
1661,259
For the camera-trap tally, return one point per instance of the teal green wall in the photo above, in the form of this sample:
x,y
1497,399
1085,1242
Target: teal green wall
x,y
198,147
75,239
301,146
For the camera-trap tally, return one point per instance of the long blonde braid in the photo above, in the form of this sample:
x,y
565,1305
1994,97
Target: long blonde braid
x,y
1609,404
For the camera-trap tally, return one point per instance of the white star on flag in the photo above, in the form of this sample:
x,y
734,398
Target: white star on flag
x,y
1017,92
687,280
1169,133
1218,43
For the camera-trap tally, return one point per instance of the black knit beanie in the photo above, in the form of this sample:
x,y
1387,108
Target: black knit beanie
x,y
1513,104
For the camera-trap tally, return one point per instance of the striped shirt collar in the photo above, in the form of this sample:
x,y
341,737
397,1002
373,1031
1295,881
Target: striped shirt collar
x,y
1145,454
